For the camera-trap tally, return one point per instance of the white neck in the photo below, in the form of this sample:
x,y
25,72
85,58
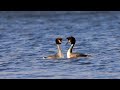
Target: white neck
x,y
59,51
70,50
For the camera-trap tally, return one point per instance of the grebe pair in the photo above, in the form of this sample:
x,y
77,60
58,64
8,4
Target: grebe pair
x,y
70,54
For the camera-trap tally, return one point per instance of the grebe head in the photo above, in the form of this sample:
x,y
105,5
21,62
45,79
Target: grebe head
x,y
71,40
58,40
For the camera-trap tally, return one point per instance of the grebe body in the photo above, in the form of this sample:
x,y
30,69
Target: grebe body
x,y
70,54
59,54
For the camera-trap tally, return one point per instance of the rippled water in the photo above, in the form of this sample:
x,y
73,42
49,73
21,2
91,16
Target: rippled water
x,y
26,37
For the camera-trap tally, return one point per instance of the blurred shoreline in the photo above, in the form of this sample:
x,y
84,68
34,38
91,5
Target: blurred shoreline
x,y
52,12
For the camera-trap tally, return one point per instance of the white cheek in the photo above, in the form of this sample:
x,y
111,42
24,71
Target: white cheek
x,y
60,41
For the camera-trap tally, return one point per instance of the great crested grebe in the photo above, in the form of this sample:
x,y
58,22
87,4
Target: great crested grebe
x,y
70,54
59,54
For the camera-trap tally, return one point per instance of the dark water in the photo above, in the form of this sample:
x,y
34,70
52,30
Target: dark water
x,y
26,37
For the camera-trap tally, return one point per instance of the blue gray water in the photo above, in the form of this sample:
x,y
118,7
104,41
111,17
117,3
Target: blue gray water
x,y
26,37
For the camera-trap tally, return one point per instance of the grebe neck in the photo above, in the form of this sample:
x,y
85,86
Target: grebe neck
x,y
70,50
59,50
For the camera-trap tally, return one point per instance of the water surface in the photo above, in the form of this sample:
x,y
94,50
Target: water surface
x,y
26,37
